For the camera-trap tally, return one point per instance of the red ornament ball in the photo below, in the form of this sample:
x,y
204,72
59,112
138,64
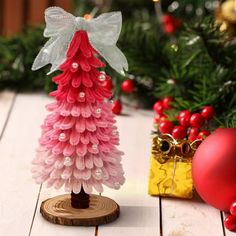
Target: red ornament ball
x,y
108,84
214,169
230,222
127,86
158,107
208,112
166,101
117,107
179,132
197,120
166,127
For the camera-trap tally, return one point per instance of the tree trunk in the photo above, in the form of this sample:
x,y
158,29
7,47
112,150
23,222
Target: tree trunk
x,y
80,200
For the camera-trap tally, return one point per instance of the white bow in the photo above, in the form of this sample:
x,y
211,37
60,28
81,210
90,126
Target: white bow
x,y
103,33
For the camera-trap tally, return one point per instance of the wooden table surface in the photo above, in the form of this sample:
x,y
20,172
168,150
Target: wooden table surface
x,y
141,215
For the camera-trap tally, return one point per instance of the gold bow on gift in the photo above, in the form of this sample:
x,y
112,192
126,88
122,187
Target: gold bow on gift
x,y
165,147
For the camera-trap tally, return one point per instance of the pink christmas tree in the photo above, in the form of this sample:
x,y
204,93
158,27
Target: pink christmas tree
x,y
78,142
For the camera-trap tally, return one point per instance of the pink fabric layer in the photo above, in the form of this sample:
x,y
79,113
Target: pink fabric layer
x,y
79,137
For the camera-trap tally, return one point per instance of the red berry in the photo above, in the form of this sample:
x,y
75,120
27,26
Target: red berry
x,y
163,117
169,28
233,208
166,127
159,118
208,112
203,134
185,113
108,84
127,86
166,101
193,134
192,138
179,132
197,120
158,107
230,222
184,121
116,107
184,117
167,19
194,131
170,23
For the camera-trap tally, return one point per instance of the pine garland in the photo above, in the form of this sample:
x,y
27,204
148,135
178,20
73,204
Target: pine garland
x,y
16,57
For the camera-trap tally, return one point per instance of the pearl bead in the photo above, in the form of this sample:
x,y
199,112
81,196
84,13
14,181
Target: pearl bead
x,y
98,172
102,77
75,65
114,132
62,136
81,94
94,146
117,185
45,50
99,110
68,161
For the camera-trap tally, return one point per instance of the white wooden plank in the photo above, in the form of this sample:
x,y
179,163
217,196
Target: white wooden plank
x,y
18,191
139,211
190,217
134,220
6,100
229,233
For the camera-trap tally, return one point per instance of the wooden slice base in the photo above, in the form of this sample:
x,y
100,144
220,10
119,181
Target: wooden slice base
x,y
58,210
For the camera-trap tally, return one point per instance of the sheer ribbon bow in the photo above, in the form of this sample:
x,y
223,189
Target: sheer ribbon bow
x,y
103,33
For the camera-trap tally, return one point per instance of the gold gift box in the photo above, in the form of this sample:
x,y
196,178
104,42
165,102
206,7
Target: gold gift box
x,y
171,164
